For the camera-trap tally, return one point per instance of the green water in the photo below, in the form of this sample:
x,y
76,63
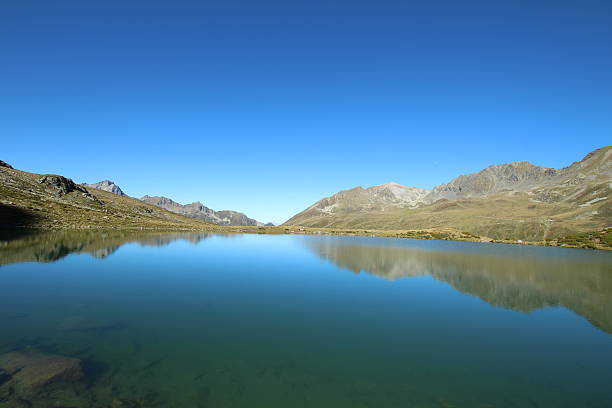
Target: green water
x,y
195,320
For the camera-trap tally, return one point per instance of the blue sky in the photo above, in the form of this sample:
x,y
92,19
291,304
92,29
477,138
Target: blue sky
x,y
266,107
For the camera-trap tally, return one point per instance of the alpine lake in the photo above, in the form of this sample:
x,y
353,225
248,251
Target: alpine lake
x,y
109,319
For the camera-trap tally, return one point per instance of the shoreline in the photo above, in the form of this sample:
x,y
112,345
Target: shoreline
x,y
594,241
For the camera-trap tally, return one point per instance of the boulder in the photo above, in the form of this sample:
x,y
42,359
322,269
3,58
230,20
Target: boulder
x,y
4,376
5,164
62,184
28,371
85,324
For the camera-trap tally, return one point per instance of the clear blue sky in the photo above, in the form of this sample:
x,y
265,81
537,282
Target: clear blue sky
x,y
266,107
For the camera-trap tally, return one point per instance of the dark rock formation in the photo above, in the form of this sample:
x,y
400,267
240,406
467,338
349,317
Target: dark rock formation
x,y
5,164
62,184
4,376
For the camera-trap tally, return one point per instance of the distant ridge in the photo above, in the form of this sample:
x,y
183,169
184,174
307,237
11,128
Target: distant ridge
x,y
200,211
195,210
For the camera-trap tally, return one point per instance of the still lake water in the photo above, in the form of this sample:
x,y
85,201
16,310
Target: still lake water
x,y
196,320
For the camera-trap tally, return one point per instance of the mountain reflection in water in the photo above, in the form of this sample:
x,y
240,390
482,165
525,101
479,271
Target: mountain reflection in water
x,y
522,283
501,275
52,246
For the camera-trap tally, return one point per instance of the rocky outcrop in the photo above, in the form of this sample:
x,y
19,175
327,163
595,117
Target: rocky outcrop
x,y
5,164
61,186
200,211
107,185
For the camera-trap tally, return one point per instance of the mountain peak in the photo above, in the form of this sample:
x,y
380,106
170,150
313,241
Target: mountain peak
x,y
392,184
107,185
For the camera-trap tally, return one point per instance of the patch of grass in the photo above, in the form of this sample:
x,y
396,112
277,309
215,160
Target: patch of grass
x,y
590,240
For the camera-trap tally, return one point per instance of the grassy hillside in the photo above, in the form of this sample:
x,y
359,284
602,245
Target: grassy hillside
x,y
54,202
502,216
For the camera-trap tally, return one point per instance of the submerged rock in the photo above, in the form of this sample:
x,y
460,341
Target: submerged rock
x,y
27,371
4,376
124,403
84,324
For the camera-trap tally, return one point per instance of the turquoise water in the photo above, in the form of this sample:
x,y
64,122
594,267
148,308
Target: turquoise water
x,y
195,320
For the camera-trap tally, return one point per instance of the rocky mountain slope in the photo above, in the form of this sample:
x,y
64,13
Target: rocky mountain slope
x,y
200,211
510,201
106,185
517,176
364,200
52,201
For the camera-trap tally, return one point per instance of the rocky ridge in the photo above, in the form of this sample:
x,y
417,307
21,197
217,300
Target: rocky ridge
x,y
106,185
516,176
200,211
195,210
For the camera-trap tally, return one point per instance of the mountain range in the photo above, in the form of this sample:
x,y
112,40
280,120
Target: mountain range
x,y
200,211
195,210
510,202
518,200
